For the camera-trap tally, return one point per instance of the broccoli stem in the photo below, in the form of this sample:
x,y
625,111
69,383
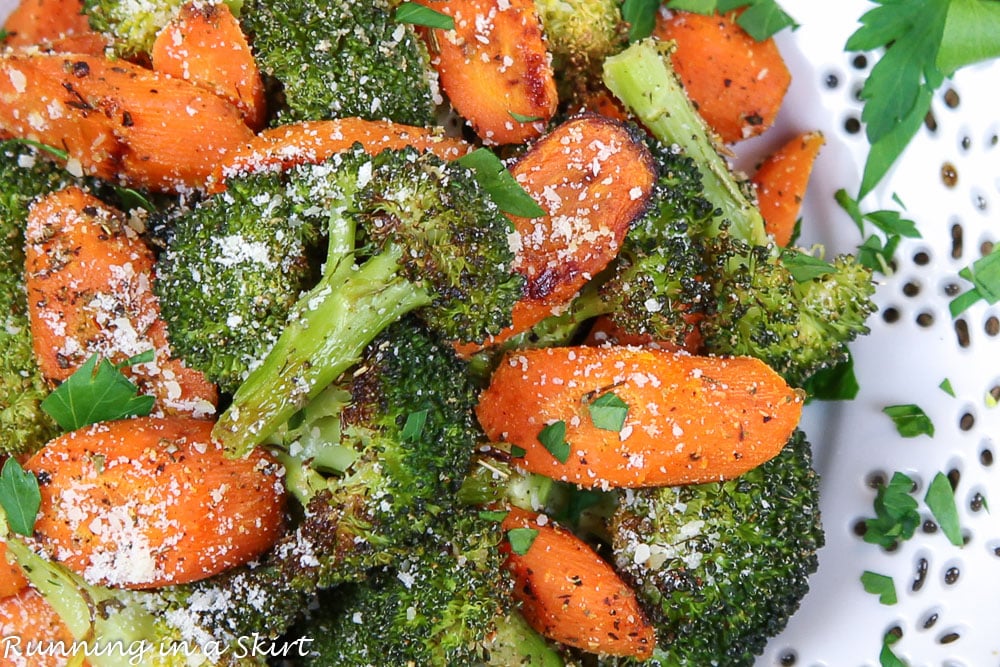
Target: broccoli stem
x,y
642,77
326,334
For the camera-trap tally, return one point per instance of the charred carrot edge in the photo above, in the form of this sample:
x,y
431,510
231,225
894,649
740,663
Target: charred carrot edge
x,y
57,25
594,178
205,45
312,142
571,595
494,67
689,419
781,182
149,502
30,618
604,331
117,120
737,83
89,281
12,579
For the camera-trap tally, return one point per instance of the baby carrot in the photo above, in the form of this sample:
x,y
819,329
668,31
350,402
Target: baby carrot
x,y
89,280
56,25
632,417
494,67
149,502
781,182
205,45
737,83
28,621
11,577
571,595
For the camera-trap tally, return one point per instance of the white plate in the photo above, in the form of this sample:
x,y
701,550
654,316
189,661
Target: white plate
x,y
902,361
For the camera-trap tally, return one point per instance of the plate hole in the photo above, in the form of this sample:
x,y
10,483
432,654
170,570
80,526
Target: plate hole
x,y
962,332
951,98
788,659
966,422
860,61
831,80
921,258
890,315
852,125
930,620
925,319
986,248
952,575
956,240
920,574
949,637
977,503
952,289
986,457
911,289
992,328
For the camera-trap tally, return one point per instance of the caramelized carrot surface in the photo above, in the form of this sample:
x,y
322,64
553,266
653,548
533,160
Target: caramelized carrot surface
x,y
494,67
688,419
57,25
149,502
312,142
11,577
571,595
30,619
737,83
205,45
89,279
116,120
781,182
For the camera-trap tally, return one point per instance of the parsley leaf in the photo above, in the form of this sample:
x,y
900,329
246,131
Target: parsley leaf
x,y
880,585
553,438
984,274
837,383
521,118
896,517
492,515
940,499
875,253
416,14
608,412
886,657
946,387
521,539
52,150
97,392
910,420
641,17
19,497
805,267
414,425
505,192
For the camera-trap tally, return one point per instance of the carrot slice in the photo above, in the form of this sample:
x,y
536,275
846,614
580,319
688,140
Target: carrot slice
x,y
116,120
56,25
205,45
149,502
89,280
781,182
571,595
737,83
312,142
494,67
28,621
593,177
689,419
11,577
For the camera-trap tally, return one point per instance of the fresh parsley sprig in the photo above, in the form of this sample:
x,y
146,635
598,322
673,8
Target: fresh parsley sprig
x,y
20,497
924,42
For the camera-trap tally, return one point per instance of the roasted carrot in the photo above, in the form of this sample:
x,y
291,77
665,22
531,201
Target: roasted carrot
x,y
89,278
55,25
149,502
781,182
314,141
604,331
33,633
593,177
11,577
116,120
494,67
205,45
685,419
736,82
571,595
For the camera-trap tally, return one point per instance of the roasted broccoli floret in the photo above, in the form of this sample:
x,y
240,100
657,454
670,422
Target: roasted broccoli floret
x,y
377,458
406,232
721,567
785,307
24,176
448,602
132,26
232,267
581,33
341,58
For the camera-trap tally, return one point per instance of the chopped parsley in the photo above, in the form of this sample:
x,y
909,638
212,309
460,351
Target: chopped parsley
x,y
886,657
837,383
414,425
20,497
880,585
608,412
911,421
896,517
503,189
641,17
521,539
984,274
946,387
553,438
876,252
940,499
416,14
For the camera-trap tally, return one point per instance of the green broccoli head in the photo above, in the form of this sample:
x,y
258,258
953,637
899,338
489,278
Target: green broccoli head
x,y
132,26
340,59
378,458
438,605
581,33
406,232
231,269
797,325
24,177
721,567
